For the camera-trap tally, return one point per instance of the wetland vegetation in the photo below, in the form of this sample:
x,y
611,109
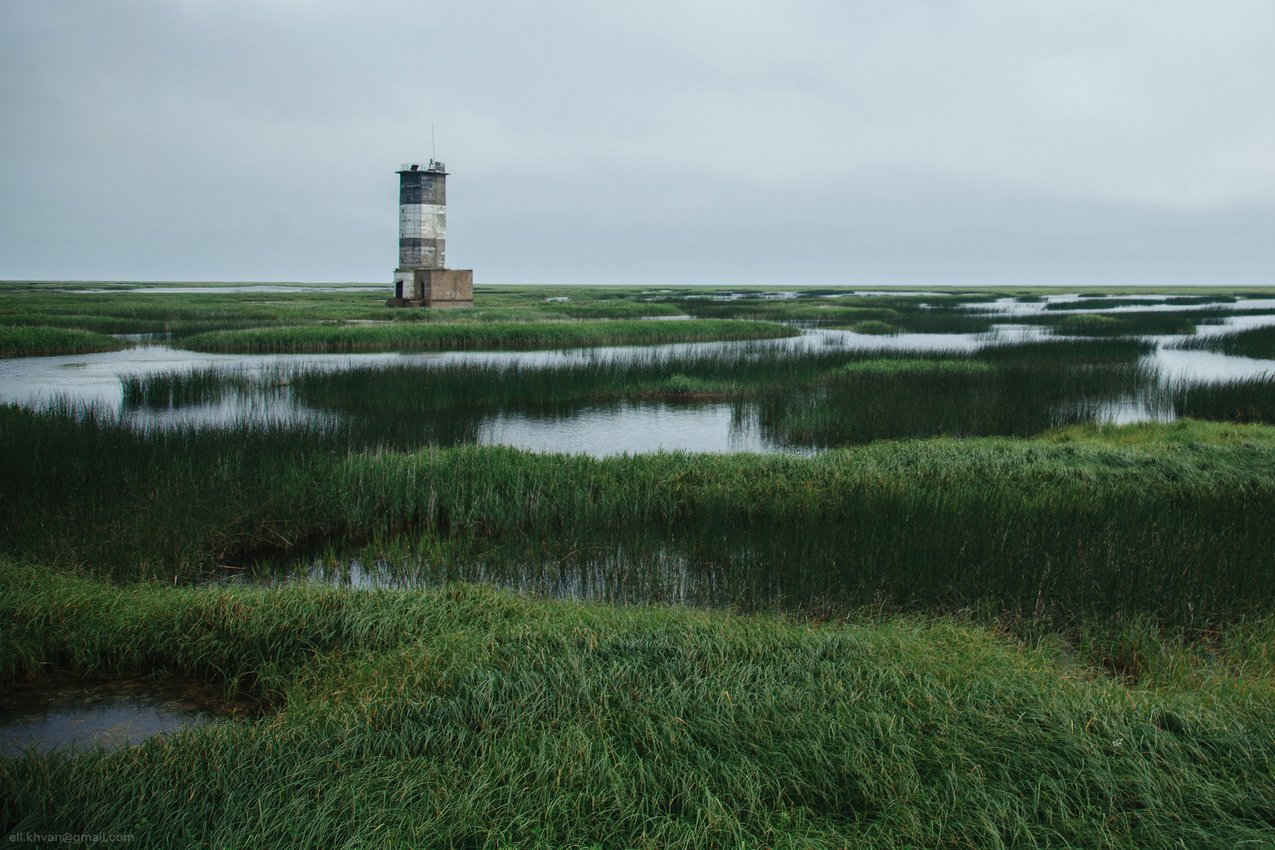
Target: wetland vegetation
x,y
36,340
957,607
403,336
1250,342
466,716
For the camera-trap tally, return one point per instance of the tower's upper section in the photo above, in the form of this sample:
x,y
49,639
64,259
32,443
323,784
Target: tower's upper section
x,y
422,184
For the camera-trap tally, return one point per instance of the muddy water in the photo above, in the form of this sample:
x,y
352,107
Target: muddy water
x,y
74,714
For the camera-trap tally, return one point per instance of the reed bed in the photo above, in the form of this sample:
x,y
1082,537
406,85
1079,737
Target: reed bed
x,y
1102,302
1256,342
174,389
1237,400
509,335
872,327
1057,353
607,308
394,389
1185,300
809,398
1095,301
1134,324
932,313
1066,528
936,322
1131,323
468,717
1015,389
39,341
937,398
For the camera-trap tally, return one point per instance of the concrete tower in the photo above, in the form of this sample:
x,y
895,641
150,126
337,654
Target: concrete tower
x,y
422,278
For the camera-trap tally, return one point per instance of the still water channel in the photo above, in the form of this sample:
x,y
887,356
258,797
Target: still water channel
x,y
596,429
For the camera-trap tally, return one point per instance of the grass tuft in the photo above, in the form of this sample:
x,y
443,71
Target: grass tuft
x,y
39,341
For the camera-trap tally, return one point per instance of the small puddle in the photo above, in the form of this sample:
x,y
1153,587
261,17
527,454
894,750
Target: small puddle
x,y
71,713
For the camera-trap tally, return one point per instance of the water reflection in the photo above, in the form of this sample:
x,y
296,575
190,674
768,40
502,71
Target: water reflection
x,y
635,428
829,568
71,713
594,428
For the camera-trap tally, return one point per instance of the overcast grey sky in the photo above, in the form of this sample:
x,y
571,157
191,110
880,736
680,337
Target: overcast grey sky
x,y
802,142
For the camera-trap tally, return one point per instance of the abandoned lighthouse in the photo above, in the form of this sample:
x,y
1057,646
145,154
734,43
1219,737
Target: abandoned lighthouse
x,y
422,278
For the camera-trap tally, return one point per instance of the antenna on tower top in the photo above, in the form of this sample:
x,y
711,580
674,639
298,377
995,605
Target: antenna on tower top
x,y
432,152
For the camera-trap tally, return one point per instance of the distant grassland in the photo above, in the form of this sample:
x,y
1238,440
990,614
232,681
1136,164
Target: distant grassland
x,y
181,314
137,309
38,341
494,335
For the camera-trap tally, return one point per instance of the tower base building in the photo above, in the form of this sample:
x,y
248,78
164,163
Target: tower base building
x,y
433,288
422,278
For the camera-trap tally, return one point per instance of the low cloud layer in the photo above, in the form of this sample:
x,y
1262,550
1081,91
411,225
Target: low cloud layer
x,y
964,141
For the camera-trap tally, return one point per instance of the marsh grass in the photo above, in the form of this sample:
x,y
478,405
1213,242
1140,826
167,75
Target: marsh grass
x,y
921,399
1131,323
1256,342
36,341
178,314
873,327
1091,301
175,389
469,717
1093,324
1054,354
811,398
1237,400
1094,301
1067,640
934,313
510,335
1015,389
1059,528
415,388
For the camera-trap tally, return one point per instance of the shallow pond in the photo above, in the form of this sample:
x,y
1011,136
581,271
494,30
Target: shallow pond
x,y
72,713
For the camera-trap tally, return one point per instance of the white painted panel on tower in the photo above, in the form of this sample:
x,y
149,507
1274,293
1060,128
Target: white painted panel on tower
x,y
422,221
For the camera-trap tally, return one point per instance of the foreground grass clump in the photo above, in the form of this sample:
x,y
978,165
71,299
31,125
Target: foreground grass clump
x,y
496,335
40,341
470,717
